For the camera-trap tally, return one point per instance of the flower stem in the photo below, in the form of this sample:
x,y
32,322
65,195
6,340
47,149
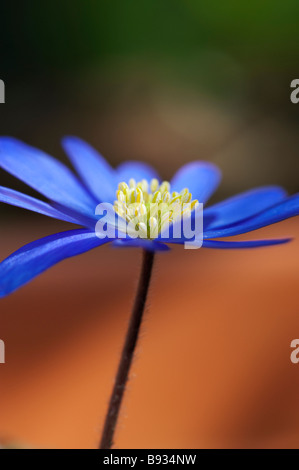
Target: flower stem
x,y
127,352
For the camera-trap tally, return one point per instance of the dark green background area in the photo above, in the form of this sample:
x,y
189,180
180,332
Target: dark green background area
x,y
163,81
46,35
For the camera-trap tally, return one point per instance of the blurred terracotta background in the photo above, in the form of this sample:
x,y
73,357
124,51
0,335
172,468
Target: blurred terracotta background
x,y
213,363
165,82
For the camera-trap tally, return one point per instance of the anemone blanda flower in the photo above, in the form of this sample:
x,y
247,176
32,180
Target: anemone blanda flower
x,y
74,200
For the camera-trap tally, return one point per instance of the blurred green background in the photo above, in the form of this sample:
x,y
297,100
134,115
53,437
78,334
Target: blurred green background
x,y
162,81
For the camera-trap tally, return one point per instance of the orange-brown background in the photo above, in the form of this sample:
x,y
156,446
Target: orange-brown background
x,y
213,363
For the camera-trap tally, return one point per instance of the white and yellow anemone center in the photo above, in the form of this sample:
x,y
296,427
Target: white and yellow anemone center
x,y
149,207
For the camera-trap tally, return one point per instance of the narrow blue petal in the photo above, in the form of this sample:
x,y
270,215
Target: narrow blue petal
x,y
34,258
201,178
87,221
149,245
15,198
284,210
45,174
97,174
136,170
243,244
244,205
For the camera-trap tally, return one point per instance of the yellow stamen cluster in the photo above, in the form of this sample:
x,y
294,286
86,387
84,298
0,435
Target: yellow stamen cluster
x,y
149,207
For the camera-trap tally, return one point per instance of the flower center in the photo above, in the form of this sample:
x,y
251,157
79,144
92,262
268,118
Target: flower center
x,y
148,207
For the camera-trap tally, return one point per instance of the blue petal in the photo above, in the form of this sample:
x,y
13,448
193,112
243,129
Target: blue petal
x,y
243,244
201,178
136,170
45,174
284,210
244,205
149,245
87,221
32,259
97,174
14,198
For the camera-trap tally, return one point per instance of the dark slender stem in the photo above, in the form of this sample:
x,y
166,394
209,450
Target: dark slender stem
x,y
128,352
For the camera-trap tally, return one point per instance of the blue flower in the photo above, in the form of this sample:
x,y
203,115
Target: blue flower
x,y
74,200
